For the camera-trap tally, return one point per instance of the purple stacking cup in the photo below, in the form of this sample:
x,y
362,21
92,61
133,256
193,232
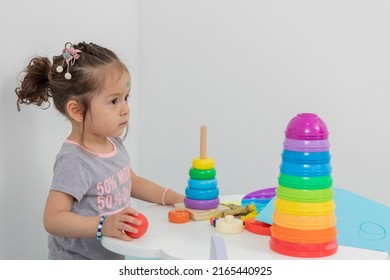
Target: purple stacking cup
x,y
306,145
306,126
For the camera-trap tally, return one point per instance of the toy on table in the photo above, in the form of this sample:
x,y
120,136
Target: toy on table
x,y
202,215
251,204
304,221
239,210
229,224
354,213
247,216
233,210
202,191
260,198
142,228
257,227
178,216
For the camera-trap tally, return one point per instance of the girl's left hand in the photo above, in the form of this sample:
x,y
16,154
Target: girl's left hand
x,y
115,225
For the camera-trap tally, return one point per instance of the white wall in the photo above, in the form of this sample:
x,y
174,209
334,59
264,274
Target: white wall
x,y
31,138
243,68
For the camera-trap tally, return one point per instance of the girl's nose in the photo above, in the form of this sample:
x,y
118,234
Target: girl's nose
x,y
125,110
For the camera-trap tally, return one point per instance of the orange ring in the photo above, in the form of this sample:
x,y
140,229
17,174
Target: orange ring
x,y
178,216
303,236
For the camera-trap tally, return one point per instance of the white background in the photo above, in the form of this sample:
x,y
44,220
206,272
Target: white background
x,y
243,68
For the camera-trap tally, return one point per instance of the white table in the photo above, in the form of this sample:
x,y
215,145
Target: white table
x,y
191,241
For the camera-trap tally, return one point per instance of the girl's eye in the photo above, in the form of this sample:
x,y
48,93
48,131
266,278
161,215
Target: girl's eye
x,y
127,97
114,101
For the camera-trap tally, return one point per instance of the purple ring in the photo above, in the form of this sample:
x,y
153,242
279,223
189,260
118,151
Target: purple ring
x,y
306,145
201,204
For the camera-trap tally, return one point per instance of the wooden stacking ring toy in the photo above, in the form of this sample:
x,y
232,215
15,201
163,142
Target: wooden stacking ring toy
x,y
202,189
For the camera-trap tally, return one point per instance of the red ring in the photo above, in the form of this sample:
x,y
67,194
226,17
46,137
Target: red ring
x,y
303,249
257,227
178,216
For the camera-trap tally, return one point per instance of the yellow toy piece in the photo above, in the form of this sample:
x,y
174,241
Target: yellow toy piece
x,y
251,215
203,163
239,210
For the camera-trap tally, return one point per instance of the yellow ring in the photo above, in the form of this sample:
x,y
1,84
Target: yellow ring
x,y
305,209
203,163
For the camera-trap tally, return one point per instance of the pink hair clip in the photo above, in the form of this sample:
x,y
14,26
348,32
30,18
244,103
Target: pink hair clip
x,y
70,55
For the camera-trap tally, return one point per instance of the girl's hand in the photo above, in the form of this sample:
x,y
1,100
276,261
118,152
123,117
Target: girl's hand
x,y
115,225
173,197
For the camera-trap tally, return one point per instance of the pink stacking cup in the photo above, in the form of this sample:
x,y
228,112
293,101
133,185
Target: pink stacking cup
x,y
307,126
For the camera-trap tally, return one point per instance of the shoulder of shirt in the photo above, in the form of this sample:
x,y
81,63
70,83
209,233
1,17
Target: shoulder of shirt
x,y
70,156
71,152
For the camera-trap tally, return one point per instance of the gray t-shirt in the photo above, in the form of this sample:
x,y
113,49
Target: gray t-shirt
x,y
99,183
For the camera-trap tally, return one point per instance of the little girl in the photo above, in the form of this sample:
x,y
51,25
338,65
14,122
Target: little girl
x,y
92,183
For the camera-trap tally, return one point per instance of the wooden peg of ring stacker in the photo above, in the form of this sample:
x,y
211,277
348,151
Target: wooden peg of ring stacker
x,y
203,142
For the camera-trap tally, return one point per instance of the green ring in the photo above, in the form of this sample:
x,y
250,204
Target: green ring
x,y
202,174
302,195
306,183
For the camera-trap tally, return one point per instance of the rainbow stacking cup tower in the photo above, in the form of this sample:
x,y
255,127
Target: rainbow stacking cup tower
x,y
304,220
202,190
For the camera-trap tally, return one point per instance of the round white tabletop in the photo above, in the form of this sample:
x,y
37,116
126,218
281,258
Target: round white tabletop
x,y
191,241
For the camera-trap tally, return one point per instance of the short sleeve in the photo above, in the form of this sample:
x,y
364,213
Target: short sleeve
x,y
71,176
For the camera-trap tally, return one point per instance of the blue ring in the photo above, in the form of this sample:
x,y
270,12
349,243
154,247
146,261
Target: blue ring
x,y
303,170
201,194
306,157
202,184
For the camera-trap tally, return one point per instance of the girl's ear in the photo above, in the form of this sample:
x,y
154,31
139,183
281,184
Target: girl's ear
x,y
74,111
